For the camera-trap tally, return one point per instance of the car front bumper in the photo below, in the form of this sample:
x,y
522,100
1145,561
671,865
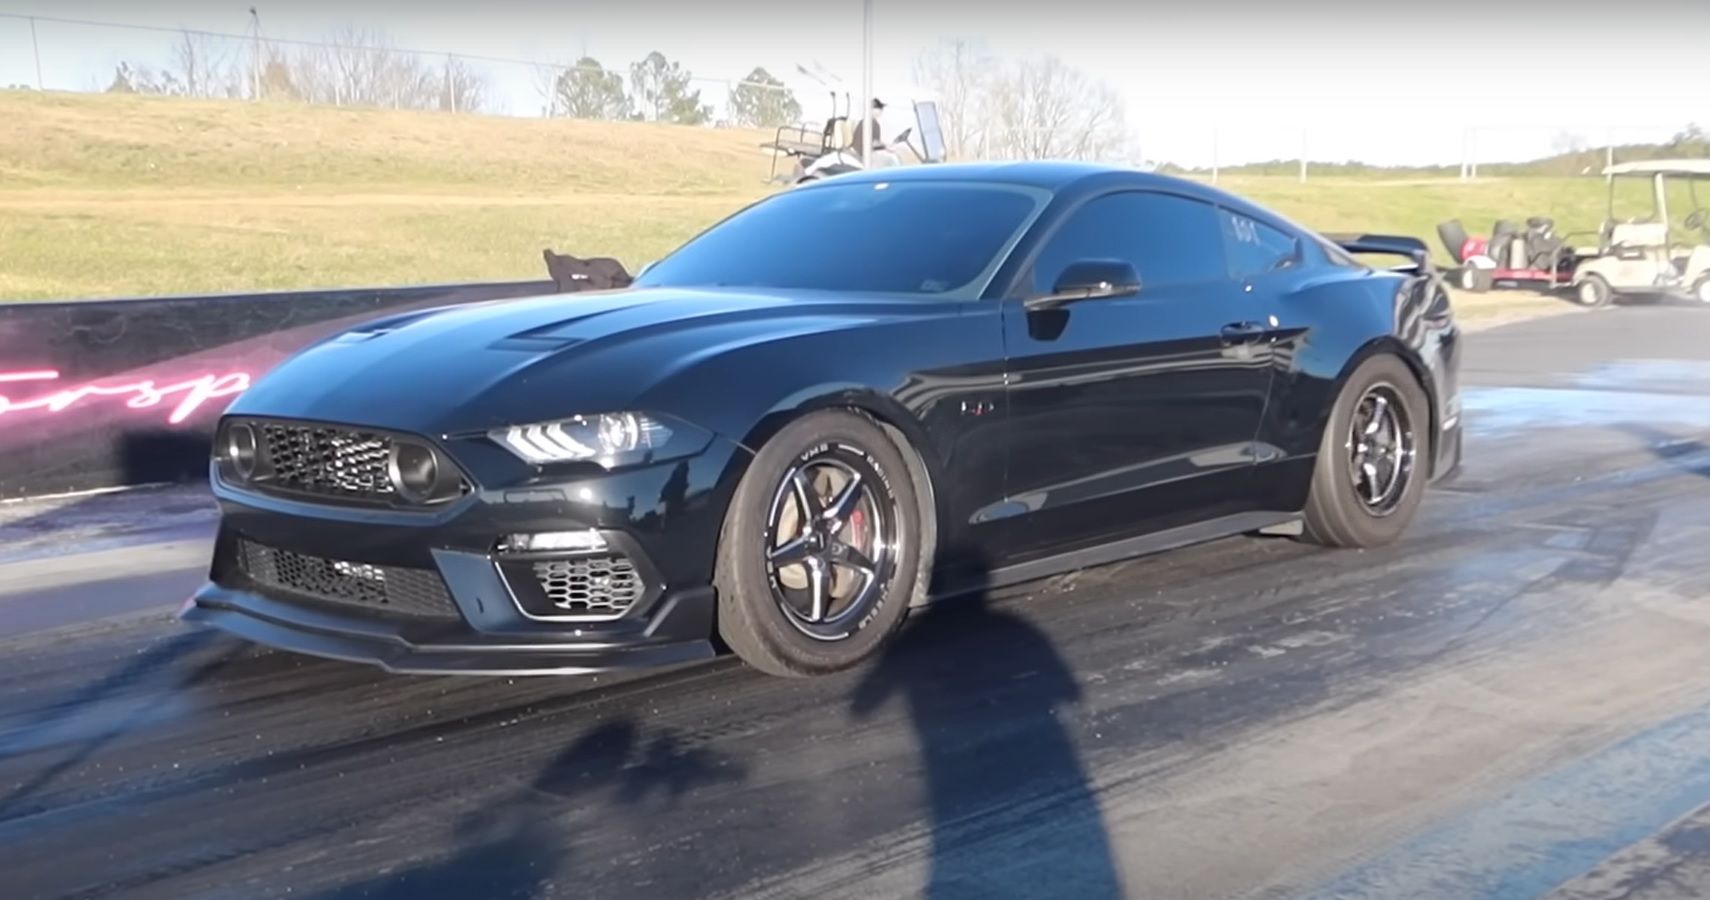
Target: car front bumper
x,y
434,592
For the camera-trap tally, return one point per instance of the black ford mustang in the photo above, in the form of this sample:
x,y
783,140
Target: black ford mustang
x,y
837,404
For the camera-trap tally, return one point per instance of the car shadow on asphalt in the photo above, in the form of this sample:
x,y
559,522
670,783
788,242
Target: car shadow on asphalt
x,y
1010,806
516,846
183,661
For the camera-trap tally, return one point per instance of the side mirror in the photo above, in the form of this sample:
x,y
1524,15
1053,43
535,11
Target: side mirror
x,y
1092,279
903,137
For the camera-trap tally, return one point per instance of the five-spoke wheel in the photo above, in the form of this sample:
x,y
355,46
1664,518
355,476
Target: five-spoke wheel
x,y
831,542
1380,449
1374,458
825,547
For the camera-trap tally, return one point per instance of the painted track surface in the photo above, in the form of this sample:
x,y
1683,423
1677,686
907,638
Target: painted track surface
x,y
1513,701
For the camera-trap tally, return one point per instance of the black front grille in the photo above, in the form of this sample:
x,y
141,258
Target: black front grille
x,y
326,460
387,589
589,587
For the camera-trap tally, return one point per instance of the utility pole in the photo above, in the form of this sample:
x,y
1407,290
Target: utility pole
x,y
450,94
1303,156
867,82
1214,156
255,62
37,47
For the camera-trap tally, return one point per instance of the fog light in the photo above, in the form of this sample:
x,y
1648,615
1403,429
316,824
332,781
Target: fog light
x,y
240,449
414,471
553,542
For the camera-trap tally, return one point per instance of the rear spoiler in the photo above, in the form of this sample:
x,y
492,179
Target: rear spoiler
x,y
1393,244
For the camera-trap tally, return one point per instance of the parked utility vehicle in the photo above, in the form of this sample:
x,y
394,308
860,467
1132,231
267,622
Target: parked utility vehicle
x,y
1650,254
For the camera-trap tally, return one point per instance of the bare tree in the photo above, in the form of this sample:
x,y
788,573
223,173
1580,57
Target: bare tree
x,y
202,66
956,72
465,89
1045,109
360,67
1567,143
543,77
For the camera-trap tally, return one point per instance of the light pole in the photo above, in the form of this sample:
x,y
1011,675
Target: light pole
x,y
866,81
255,61
36,46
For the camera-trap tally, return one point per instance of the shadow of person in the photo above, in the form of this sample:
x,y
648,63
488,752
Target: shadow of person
x,y
514,847
1011,811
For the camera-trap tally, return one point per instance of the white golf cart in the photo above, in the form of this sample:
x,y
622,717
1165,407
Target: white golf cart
x,y
1649,254
821,153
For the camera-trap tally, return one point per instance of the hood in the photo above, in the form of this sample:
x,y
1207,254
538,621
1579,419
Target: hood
x,y
478,366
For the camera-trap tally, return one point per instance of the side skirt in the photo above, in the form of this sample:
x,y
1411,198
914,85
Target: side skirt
x,y
1128,548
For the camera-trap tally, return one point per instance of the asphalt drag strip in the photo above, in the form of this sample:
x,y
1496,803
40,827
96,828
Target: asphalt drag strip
x,y
1511,701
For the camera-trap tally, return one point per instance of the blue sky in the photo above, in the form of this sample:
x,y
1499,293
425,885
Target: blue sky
x,y
1385,83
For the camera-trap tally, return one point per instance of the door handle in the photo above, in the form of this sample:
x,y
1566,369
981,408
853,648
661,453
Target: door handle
x,y
1242,332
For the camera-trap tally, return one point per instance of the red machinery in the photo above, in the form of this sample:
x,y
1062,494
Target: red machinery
x,y
1512,256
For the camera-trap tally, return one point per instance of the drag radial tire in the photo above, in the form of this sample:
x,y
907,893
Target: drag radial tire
x,y
1374,460
823,547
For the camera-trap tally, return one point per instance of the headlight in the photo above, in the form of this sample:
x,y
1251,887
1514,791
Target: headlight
x,y
609,439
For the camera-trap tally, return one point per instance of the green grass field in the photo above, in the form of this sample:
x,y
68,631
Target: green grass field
x,y
106,196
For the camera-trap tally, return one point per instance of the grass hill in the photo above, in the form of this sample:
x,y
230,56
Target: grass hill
x,y
104,195
108,195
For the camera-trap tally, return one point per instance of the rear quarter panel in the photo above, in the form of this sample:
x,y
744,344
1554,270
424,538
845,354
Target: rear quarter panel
x,y
1336,318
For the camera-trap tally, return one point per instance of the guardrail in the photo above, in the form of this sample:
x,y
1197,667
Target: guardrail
x,y
110,393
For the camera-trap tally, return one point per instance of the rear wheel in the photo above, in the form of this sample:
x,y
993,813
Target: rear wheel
x,y
823,547
1702,292
1594,292
1373,460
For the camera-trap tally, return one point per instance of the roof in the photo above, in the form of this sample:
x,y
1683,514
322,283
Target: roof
x,y
1033,173
1693,168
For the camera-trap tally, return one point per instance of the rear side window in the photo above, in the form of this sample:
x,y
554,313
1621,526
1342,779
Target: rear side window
x,y
1169,240
1253,247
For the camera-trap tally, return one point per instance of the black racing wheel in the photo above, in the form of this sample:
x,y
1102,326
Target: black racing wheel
x,y
825,546
1374,460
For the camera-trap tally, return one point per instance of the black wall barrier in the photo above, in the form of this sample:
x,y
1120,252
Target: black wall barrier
x,y
120,392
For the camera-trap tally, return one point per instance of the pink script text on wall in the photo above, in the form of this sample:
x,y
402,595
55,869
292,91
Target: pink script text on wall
x,y
190,394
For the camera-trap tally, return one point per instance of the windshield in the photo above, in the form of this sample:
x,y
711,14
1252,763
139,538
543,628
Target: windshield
x,y
932,238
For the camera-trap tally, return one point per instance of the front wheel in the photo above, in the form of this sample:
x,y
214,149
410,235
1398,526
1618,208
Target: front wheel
x,y
1594,292
1702,292
1374,459
1476,280
823,548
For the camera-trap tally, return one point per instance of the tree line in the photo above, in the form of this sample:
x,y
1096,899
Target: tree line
x,y
361,67
1023,108
660,90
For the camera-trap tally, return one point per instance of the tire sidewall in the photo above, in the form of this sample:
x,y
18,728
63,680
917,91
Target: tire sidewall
x,y
1601,292
1350,523
749,618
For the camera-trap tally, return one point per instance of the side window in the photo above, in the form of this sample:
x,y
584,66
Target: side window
x,y
1170,240
1254,248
